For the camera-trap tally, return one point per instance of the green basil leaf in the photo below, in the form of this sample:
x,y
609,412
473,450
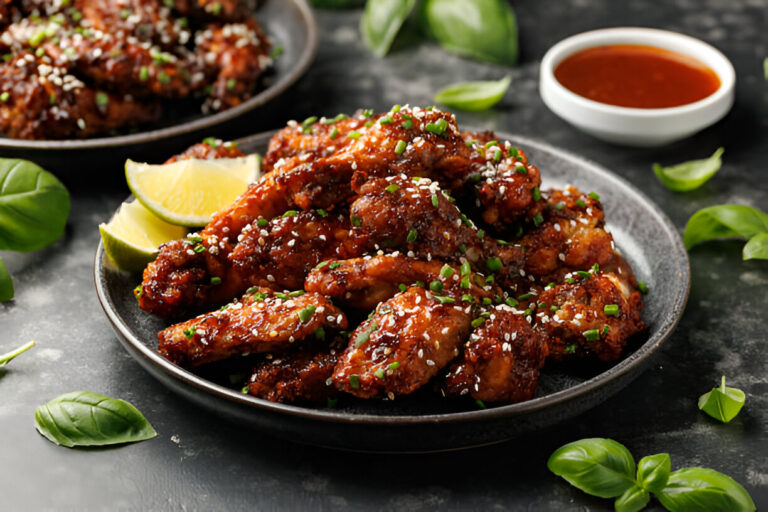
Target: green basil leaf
x,y
765,68
704,490
756,248
601,467
634,499
6,284
722,403
4,358
381,22
724,221
34,206
337,4
474,96
653,471
82,418
689,175
481,29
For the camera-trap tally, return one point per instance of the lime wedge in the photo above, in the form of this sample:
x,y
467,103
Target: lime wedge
x,y
132,236
189,192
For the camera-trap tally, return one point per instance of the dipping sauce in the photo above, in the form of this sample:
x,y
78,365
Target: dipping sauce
x,y
638,76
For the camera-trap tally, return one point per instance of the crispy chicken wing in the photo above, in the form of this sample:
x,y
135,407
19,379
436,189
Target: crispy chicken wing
x,y
209,149
501,360
362,283
41,100
593,316
299,375
415,216
263,321
570,236
406,342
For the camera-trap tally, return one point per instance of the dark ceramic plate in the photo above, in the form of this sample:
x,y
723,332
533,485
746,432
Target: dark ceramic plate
x,y
289,23
423,422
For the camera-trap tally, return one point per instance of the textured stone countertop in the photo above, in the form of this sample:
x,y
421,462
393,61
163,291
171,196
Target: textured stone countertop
x,y
200,462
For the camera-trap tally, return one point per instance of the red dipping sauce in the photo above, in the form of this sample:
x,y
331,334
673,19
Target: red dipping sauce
x,y
637,76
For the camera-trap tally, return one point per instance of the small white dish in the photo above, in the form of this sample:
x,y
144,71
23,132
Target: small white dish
x,y
641,127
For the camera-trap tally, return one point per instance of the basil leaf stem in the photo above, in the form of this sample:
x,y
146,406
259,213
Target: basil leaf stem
x,y
485,30
474,96
722,403
689,175
5,358
728,221
382,21
6,283
82,418
600,467
704,490
34,206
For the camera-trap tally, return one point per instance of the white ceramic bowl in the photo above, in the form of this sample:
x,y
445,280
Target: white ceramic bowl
x,y
643,127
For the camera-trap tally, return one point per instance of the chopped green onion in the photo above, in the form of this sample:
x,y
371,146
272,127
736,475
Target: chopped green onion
x,y
525,296
354,135
356,221
189,333
306,313
538,219
354,381
363,337
446,271
581,203
462,248
436,286
215,280
511,302
291,213
392,188
281,295
412,236
386,120
480,233
493,264
400,147
434,200
322,212
322,264
334,133
379,373
402,287
394,366
467,298
642,287
444,300
559,206
306,125
592,335
262,222
477,322
536,193
594,195
521,169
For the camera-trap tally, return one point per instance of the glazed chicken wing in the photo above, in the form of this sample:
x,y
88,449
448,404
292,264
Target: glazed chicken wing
x,y
593,315
362,283
402,346
299,375
501,360
263,321
209,149
415,216
570,236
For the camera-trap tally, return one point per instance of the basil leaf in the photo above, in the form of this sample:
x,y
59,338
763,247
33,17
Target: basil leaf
x,y
6,284
381,22
653,471
337,4
722,403
689,175
601,467
756,248
704,490
82,418
474,96
34,206
724,221
481,29
4,358
765,67
634,499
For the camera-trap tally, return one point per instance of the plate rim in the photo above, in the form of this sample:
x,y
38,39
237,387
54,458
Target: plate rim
x,y
305,59
502,412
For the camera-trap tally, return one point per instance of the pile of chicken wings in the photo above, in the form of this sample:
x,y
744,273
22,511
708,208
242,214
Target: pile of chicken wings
x,y
77,68
381,253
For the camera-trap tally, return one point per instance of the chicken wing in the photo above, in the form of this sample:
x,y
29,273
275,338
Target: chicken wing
x,y
568,235
211,148
263,321
593,314
501,360
362,283
299,375
402,346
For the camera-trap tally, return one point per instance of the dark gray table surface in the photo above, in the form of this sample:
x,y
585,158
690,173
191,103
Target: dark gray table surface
x,y
200,462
